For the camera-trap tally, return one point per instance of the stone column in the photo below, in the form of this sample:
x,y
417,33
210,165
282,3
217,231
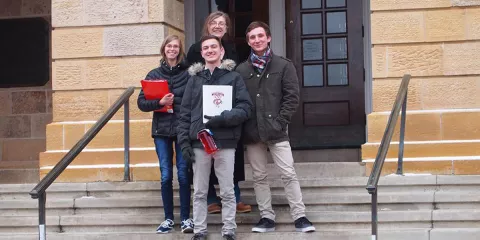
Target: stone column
x,y
438,43
99,49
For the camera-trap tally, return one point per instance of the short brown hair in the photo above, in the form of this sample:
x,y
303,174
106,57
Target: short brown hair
x,y
166,41
208,37
213,16
257,24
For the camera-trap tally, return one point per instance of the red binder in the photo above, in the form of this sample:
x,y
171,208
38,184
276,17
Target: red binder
x,y
155,90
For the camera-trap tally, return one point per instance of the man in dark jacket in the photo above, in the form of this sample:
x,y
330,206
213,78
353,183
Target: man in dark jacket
x,y
273,86
226,129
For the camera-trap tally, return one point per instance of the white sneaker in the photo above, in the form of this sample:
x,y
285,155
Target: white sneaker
x,y
166,226
187,226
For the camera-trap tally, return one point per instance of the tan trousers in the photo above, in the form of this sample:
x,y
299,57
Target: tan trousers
x,y
224,167
283,159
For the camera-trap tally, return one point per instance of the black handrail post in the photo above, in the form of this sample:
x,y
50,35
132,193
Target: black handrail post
x,y
401,144
126,136
374,215
42,235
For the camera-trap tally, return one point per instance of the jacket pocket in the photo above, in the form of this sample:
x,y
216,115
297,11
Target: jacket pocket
x,y
273,129
195,127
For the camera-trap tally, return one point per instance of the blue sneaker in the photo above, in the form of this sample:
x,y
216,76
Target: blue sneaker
x,y
304,225
166,226
187,226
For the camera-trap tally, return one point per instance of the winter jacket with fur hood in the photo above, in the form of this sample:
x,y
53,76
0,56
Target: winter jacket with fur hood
x,y
165,124
191,113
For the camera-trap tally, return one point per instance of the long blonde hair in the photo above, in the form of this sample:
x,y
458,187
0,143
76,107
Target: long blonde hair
x,y
166,41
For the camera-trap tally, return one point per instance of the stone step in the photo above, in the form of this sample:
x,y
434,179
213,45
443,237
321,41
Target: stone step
x,y
14,176
417,234
151,188
149,170
456,165
389,183
449,218
18,164
145,205
445,148
454,233
390,234
428,125
145,223
388,201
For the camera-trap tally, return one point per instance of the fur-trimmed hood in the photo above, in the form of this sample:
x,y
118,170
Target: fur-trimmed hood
x,y
227,64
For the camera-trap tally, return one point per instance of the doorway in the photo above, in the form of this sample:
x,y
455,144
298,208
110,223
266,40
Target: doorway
x,y
325,43
242,13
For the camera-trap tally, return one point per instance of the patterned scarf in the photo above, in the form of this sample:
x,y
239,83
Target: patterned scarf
x,y
260,61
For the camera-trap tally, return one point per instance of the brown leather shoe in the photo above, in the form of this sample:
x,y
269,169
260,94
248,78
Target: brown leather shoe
x,y
214,208
243,208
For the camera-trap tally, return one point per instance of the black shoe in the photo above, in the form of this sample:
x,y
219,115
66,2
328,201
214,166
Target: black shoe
x,y
303,225
264,225
229,236
199,236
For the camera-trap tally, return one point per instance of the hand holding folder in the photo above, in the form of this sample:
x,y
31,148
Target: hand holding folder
x,y
156,90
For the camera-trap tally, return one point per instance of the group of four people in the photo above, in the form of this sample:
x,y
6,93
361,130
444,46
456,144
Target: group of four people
x,y
265,95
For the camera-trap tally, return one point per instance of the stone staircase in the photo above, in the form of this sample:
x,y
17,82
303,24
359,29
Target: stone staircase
x,y
421,207
436,142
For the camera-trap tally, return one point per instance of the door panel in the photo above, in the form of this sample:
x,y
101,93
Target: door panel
x,y
325,43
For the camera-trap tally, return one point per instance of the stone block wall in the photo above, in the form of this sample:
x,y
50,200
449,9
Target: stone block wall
x,y
24,111
100,48
438,43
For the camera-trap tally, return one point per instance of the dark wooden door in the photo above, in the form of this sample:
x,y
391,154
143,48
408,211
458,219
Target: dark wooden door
x,y
325,42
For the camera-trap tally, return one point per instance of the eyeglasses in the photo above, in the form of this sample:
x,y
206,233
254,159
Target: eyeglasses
x,y
213,23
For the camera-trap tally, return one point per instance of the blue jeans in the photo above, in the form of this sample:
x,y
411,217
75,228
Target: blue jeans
x,y
164,148
213,198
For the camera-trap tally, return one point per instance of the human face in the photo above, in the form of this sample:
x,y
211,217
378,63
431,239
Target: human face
x,y
258,40
211,51
172,49
217,27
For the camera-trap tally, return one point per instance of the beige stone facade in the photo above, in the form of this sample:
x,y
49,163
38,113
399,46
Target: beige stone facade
x,y
99,48
24,111
438,43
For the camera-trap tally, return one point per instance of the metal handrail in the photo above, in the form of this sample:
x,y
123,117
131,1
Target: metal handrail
x,y
372,184
38,192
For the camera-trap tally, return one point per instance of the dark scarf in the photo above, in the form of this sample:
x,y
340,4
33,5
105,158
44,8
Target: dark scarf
x,y
259,62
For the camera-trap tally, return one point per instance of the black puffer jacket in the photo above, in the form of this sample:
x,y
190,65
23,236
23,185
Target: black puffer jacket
x,y
191,119
165,124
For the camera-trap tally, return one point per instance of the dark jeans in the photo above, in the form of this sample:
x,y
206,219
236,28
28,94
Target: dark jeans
x,y
212,194
164,148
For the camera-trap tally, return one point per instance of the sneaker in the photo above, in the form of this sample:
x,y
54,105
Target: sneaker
x,y
243,208
187,226
303,225
264,225
229,236
166,226
214,208
199,236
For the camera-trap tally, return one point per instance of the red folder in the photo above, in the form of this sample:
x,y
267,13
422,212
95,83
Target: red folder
x,y
155,90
